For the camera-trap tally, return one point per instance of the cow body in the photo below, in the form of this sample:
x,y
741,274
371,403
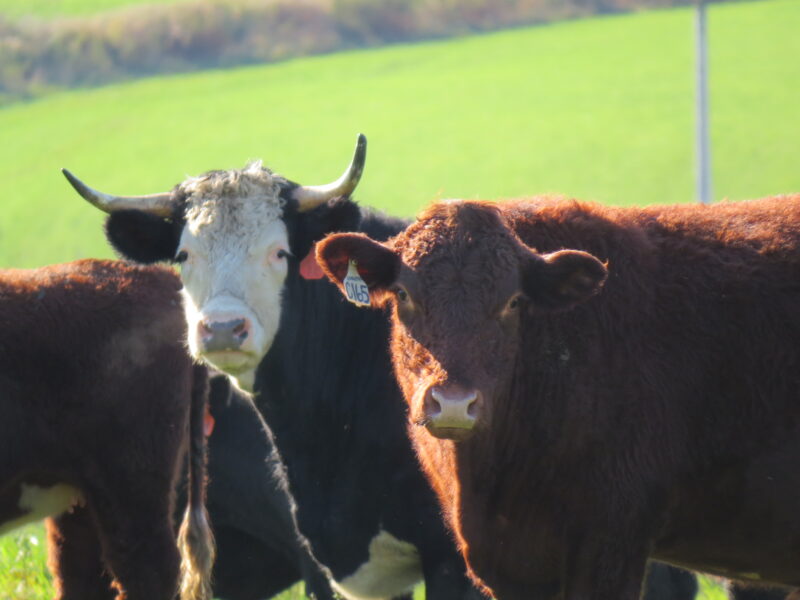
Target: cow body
x,y
260,552
574,426
94,419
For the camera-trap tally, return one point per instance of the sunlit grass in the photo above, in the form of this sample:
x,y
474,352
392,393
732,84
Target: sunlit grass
x,y
66,8
23,575
598,109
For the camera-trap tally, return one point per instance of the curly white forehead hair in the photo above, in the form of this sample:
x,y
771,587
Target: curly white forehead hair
x,y
254,188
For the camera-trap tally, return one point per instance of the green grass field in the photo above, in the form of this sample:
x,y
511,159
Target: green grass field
x,y
552,109
65,8
25,547
600,109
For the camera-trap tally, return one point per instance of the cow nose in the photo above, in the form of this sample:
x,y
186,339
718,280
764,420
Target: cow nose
x,y
218,336
451,411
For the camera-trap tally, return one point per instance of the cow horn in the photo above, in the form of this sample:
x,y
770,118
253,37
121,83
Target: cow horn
x,y
309,197
161,205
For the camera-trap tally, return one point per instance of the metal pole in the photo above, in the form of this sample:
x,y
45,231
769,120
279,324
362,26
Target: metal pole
x,y
703,143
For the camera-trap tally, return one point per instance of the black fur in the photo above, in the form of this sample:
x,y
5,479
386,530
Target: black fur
x,y
142,237
327,391
259,550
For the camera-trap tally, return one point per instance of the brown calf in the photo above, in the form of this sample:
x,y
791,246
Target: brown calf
x,y
602,385
97,391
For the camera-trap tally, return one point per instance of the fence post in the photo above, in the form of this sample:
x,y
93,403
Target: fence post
x,y
702,140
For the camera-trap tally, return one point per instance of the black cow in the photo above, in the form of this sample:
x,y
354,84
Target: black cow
x,y
259,551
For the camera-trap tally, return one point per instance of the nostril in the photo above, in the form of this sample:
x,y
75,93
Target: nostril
x,y
219,335
472,408
432,406
240,328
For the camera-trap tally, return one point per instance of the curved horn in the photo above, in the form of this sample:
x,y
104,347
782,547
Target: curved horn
x,y
309,197
161,205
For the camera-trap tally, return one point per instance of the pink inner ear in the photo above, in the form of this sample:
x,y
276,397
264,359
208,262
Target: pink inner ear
x,y
208,423
309,268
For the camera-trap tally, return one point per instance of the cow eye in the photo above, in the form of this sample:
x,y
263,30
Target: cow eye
x,y
279,254
401,294
514,303
181,256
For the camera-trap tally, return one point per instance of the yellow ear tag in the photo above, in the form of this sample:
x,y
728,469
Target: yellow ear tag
x,y
355,288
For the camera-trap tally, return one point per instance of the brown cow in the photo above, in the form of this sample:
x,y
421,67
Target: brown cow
x,y
620,383
97,391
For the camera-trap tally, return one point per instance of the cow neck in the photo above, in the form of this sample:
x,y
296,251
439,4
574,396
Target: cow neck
x,y
326,387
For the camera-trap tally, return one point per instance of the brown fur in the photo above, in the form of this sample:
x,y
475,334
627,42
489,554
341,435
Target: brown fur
x,y
652,414
96,393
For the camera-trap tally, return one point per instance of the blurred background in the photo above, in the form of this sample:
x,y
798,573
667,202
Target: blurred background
x,y
458,98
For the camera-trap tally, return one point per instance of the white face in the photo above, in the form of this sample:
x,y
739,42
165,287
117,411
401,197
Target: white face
x,y
236,247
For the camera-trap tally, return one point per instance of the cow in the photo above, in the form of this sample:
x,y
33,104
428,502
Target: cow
x,y
259,550
590,386
319,367
100,402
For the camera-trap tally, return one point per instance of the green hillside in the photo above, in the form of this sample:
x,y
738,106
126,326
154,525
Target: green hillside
x,y
65,8
600,109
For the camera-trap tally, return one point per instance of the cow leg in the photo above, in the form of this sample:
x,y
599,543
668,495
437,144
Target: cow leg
x,y
247,569
74,558
447,580
318,586
665,582
137,538
738,591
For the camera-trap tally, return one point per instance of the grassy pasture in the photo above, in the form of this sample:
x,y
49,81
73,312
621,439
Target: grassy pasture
x,y
550,109
599,109
25,547
66,8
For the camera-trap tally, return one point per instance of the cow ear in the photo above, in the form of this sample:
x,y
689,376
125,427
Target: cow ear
x,y
142,237
341,214
562,279
377,265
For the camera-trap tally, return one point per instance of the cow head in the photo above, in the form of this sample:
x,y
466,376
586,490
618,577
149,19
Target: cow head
x,y
234,234
461,285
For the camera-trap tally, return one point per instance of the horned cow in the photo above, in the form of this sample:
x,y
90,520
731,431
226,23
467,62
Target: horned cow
x,y
589,387
99,402
319,369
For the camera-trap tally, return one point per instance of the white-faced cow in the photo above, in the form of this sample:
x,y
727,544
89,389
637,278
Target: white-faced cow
x,y
591,386
319,368
99,402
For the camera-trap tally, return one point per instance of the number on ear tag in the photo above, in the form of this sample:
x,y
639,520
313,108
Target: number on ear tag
x,y
355,288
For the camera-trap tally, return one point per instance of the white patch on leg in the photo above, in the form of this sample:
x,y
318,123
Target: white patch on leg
x,y
40,502
393,569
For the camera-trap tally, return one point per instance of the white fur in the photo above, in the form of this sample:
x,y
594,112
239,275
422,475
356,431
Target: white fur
x,y
393,569
233,233
40,502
